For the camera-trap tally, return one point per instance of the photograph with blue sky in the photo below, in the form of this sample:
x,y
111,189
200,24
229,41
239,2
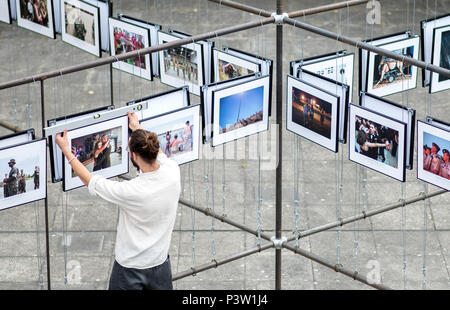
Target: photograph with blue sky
x,y
241,109
429,139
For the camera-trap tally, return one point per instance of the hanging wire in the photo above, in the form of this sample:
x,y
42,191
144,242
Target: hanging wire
x,y
192,198
213,244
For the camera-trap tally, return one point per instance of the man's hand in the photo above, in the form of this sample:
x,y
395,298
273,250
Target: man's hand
x,y
133,122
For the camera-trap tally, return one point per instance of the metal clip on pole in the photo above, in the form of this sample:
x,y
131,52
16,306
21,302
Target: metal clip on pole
x,y
278,243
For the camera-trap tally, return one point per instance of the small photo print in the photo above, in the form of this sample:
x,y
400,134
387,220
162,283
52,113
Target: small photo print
x,y
311,112
100,150
228,70
79,23
376,141
35,11
19,175
181,62
241,109
127,41
433,153
389,71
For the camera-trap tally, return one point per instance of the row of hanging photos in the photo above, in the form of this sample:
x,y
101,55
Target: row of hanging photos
x,y
318,108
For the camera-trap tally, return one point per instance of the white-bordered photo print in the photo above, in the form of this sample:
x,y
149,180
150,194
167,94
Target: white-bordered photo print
x,y
81,25
386,76
433,158
37,16
5,12
441,58
377,142
17,138
101,148
312,113
23,173
240,110
178,133
126,37
398,112
181,65
227,66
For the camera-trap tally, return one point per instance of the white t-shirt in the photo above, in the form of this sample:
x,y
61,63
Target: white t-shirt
x,y
147,212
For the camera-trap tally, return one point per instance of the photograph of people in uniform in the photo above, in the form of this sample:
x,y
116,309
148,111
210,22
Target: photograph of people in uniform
x,y
376,141
436,157
311,112
19,175
79,23
99,150
35,11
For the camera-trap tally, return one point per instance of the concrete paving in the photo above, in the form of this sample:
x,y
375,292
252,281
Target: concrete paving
x,y
384,247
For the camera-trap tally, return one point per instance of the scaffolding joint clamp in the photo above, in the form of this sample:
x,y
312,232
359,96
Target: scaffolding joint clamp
x,y
337,266
279,18
278,243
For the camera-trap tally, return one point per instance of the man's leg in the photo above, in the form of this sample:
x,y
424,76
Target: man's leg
x,y
125,278
159,277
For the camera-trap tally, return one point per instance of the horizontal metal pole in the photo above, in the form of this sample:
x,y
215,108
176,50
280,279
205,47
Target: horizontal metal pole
x,y
326,8
243,7
336,267
215,264
9,126
366,46
137,53
223,218
366,214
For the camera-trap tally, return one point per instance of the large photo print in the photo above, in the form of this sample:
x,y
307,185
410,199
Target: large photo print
x,y
178,133
22,173
377,142
101,148
81,26
433,157
37,16
441,58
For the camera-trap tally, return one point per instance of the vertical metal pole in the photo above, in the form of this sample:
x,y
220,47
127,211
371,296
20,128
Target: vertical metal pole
x,y
279,101
111,83
47,243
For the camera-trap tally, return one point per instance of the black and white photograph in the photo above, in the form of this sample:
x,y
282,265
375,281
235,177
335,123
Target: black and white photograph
x,y
37,16
433,154
336,66
162,103
377,142
387,76
5,12
178,133
336,88
441,58
240,110
126,37
206,100
398,112
227,66
56,156
426,36
101,148
181,65
153,28
81,25
312,113
23,169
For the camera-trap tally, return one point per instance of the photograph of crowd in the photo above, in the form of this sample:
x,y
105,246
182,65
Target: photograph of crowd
x,y
228,70
126,41
311,112
35,11
79,23
436,156
376,141
19,175
241,109
181,62
100,150
388,71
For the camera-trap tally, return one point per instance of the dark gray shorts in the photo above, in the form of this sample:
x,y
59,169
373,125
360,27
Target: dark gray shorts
x,y
155,278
